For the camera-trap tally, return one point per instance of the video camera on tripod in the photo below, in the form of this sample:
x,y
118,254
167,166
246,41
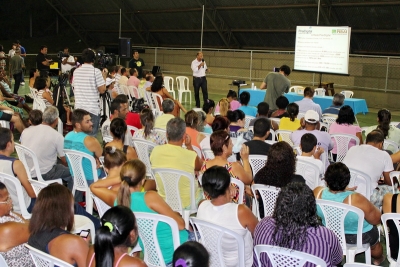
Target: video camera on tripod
x,y
104,59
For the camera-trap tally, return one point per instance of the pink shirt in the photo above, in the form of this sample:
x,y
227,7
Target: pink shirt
x,y
133,80
234,105
343,129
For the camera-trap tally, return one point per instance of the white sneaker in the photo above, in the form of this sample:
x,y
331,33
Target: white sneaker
x,y
23,83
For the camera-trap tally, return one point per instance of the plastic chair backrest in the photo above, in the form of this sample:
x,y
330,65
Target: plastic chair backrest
x,y
161,132
208,154
182,83
279,256
309,171
347,94
39,104
390,145
334,214
169,83
362,181
393,175
38,186
131,128
240,185
5,124
285,136
277,120
143,149
170,179
297,89
60,127
268,194
75,160
395,217
147,225
300,115
42,259
273,135
3,262
198,151
212,236
102,207
319,92
31,164
16,193
257,162
328,120
247,120
342,144
133,91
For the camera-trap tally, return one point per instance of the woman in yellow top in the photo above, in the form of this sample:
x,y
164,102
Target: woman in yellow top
x,y
291,123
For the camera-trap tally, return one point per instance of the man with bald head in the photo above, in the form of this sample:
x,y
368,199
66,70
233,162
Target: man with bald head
x,y
199,68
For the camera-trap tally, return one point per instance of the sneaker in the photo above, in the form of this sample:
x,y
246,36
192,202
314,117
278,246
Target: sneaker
x,y
22,84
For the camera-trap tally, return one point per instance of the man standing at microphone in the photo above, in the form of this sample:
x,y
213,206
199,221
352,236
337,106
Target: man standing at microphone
x,y
199,68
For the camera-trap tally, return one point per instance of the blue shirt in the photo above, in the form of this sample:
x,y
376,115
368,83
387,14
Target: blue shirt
x,y
248,110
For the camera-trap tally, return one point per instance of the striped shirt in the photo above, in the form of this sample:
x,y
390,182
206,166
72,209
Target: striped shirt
x,y
321,242
86,81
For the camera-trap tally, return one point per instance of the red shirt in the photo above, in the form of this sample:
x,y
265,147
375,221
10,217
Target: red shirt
x,y
133,119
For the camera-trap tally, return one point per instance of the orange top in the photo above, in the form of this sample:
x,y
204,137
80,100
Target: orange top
x,y
193,136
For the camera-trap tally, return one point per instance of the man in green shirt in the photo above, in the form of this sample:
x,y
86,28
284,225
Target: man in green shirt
x,y
276,84
16,65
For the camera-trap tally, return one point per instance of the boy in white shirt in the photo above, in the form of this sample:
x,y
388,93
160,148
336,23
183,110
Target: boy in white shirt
x,y
311,152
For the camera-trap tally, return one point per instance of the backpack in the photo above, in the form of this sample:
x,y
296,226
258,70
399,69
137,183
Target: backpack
x,y
138,104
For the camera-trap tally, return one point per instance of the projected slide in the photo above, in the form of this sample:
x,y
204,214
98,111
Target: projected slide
x,y
322,49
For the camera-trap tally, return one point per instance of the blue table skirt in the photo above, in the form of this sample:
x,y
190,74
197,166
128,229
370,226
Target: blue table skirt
x,y
358,105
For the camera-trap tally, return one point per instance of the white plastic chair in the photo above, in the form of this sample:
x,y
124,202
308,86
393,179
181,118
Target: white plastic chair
x,y
394,123
83,223
16,193
182,83
169,85
143,149
208,154
319,92
102,207
161,132
347,94
170,179
334,214
285,136
279,256
328,119
60,127
39,104
107,139
198,151
37,186
212,236
125,91
309,171
277,120
3,262
247,120
133,91
362,181
257,162
300,115
297,89
240,185
395,217
131,128
147,228
392,175
268,194
42,259
390,145
273,135
342,144
31,164
75,161
154,101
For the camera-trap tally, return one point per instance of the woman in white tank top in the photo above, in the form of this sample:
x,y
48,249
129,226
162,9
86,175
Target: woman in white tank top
x,y
220,210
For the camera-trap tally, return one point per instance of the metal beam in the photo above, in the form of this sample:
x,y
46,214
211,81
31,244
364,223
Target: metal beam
x,y
136,23
71,21
219,24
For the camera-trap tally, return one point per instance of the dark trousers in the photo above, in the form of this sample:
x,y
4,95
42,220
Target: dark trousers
x,y
197,83
18,79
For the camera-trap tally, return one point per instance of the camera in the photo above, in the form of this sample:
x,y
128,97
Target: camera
x,y
104,59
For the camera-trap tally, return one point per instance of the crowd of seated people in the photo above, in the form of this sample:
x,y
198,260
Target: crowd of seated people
x,y
126,188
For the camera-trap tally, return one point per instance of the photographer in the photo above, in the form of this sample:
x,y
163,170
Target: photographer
x,y
67,61
88,82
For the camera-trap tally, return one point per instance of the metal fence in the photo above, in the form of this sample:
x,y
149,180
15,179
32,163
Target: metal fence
x,y
366,72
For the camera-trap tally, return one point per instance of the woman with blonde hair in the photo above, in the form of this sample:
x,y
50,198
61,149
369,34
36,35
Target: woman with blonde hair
x,y
224,106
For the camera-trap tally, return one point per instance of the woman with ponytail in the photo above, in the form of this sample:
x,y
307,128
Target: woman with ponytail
x,y
132,194
390,132
118,129
147,132
117,233
291,123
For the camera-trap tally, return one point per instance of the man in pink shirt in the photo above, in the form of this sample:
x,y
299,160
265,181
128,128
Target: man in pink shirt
x,y
133,79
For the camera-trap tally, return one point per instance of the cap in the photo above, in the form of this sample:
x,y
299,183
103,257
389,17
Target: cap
x,y
311,116
109,81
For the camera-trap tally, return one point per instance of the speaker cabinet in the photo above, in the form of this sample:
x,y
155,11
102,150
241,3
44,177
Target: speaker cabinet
x,y
125,48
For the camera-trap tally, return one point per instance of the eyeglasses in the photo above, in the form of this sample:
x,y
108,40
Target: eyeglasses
x,y
8,201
